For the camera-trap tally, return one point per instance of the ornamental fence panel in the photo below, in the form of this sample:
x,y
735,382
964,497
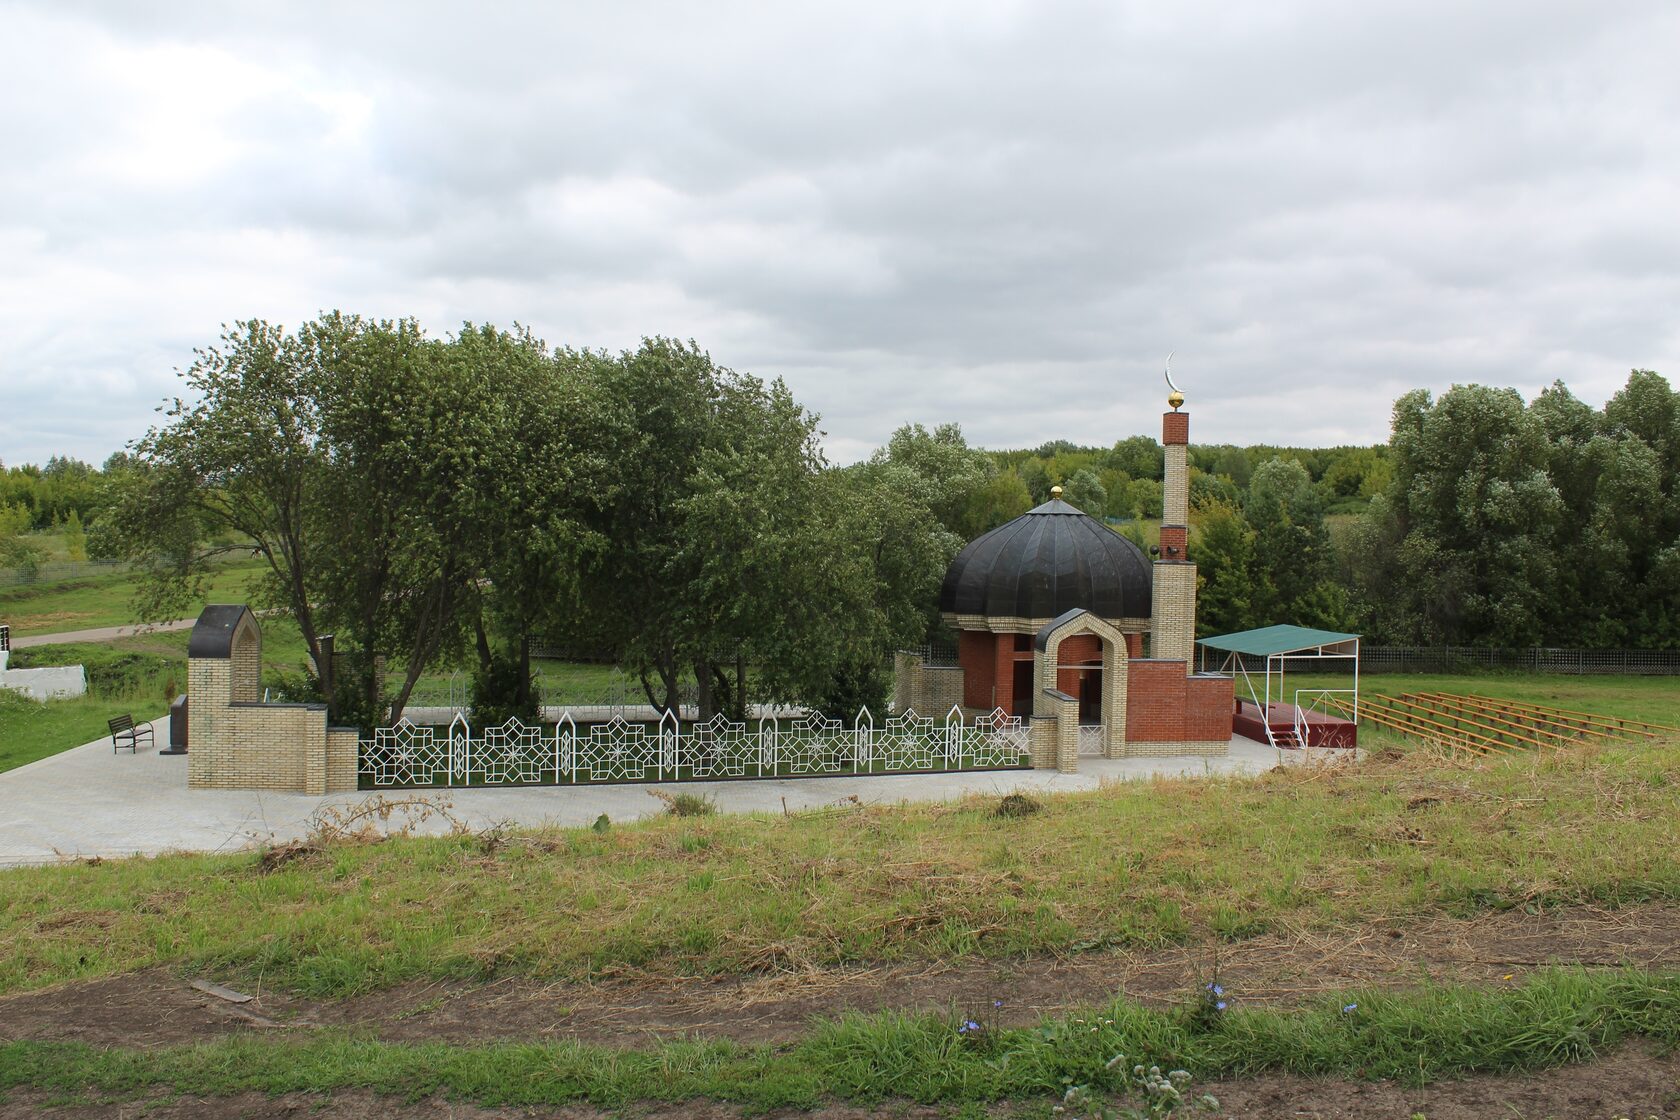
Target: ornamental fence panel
x,y
412,756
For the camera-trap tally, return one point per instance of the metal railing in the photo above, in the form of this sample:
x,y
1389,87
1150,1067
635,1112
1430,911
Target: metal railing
x,y
51,570
935,654
1343,703
408,756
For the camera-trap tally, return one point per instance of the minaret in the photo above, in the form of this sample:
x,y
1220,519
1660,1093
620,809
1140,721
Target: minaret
x,y
1174,605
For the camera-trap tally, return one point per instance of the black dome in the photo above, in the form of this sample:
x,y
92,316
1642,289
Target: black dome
x,y
1049,560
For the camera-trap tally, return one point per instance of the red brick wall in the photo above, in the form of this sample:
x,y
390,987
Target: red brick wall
x,y
1003,668
1134,646
975,655
1155,693
1173,541
1175,427
1208,707
1163,706
1079,649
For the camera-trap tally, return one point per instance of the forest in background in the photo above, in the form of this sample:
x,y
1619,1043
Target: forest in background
x,y
453,500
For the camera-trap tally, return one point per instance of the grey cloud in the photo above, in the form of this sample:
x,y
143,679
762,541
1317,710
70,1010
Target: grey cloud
x,y
1002,214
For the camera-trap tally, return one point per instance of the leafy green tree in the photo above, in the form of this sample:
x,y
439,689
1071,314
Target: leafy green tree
x,y
241,465
1294,568
1002,498
1037,480
1463,548
15,551
1140,457
953,474
1143,498
1224,556
352,456
1085,492
75,538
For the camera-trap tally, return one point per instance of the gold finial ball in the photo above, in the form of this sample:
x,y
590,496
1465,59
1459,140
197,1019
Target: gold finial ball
x,y
1056,493
1175,398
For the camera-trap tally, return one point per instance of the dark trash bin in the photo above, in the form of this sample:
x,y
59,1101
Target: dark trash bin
x,y
177,726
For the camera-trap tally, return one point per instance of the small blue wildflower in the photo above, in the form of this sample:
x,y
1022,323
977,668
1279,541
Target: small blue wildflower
x,y
997,1003
1216,989
1220,1006
1350,1009
968,1025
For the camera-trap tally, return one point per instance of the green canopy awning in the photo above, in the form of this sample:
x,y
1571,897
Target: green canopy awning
x,y
1276,639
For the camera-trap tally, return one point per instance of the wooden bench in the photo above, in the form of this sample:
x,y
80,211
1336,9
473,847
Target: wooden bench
x,y
124,732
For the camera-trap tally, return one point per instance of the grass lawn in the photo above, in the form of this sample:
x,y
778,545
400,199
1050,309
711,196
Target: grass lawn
x,y
1653,699
1557,1017
1137,864
104,600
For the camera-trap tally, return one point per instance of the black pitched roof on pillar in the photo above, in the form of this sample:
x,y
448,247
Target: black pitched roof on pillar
x,y
1050,560
212,634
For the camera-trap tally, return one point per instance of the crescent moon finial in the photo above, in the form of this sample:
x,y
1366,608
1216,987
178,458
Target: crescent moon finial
x,y
1176,397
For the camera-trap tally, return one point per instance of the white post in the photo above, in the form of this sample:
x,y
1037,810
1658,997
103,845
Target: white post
x,y
460,733
1356,680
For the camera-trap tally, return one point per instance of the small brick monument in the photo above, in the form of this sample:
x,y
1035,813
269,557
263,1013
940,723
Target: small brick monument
x,y
1052,612
240,742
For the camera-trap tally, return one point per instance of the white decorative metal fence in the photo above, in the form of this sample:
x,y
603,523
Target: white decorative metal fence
x,y
1093,739
408,755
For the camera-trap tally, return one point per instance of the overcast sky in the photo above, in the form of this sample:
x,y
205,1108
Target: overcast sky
x,y
1003,214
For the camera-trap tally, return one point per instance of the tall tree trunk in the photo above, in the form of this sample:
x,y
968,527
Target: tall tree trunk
x,y
723,692
703,689
741,685
481,639
528,699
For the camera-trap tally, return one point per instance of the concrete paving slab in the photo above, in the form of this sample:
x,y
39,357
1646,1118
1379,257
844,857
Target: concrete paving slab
x,y
90,802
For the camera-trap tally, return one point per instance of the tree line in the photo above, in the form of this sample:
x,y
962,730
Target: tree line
x,y
429,501
439,501
1485,520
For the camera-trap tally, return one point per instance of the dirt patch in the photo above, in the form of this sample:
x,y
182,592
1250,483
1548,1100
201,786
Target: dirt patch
x,y
1636,1082
156,1008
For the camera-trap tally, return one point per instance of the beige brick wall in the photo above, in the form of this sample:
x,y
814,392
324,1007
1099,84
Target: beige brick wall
x,y
343,754
929,690
1175,613
237,742
1067,736
279,747
1166,750
1043,741
246,661
907,673
1175,488
942,688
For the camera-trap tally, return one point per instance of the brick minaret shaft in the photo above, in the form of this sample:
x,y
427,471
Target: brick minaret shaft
x,y
1174,607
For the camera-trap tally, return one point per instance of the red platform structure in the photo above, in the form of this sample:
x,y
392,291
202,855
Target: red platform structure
x,y
1314,716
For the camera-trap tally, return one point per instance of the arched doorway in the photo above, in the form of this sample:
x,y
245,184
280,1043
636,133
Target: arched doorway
x,y
1093,670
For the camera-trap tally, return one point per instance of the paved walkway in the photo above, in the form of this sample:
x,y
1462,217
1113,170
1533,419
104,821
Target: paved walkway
x,y
100,634
91,802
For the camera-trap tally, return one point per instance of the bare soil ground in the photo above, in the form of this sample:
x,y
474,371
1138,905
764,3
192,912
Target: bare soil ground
x,y
158,1008
1636,1082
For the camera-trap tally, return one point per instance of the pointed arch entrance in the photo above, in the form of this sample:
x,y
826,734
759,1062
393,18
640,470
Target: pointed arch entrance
x,y
1050,700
